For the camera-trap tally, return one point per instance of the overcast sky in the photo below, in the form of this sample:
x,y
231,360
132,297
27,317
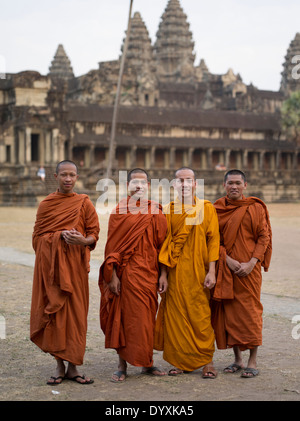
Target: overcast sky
x,y
249,36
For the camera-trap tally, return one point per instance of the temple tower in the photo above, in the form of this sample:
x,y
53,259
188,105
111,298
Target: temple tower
x,y
61,65
174,46
140,69
290,80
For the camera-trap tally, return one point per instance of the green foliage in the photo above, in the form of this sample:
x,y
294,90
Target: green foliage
x,y
290,116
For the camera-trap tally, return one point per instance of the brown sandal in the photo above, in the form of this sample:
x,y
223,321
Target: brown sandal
x,y
209,372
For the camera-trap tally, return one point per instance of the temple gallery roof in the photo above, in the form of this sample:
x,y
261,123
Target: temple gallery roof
x,y
175,117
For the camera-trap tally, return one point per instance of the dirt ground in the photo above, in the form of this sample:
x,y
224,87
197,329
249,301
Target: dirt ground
x,y
24,369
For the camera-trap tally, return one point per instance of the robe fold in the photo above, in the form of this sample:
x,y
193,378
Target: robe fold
x,y
133,244
245,232
60,291
183,328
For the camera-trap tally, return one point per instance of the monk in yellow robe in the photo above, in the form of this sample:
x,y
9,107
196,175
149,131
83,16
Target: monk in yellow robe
x,y
65,231
183,329
130,278
246,247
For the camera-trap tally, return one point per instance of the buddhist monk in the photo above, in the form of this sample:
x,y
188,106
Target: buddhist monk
x,y
65,231
130,277
183,329
246,247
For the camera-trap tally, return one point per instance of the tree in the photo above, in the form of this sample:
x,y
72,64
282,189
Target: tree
x,y
290,117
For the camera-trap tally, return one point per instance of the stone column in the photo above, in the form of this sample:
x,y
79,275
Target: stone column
x,y
48,155
190,157
203,160
272,161
261,160
21,152
42,147
27,145
152,157
147,159
132,156
227,158
55,151
172,157
2,154
209,159
278,160
245,159
92,155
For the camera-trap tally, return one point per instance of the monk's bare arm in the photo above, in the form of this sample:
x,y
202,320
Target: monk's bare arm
x,y
163,279
115,284
210,278
233,264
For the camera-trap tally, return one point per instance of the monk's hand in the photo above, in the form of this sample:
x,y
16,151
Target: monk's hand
x,y
233,264
74,237
210,280
115,285
162,283
246,267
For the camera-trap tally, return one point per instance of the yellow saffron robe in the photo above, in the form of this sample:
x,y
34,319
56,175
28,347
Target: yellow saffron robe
x,y
183,328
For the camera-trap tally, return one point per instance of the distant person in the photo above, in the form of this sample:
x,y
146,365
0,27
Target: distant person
x,y
41,173
246,247
183,330
65,231
220,167
130,277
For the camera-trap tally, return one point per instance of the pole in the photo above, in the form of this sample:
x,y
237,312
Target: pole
x,y
112,145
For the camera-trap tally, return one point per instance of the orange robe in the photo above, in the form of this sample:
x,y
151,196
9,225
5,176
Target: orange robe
x,y
132,247
236,307
60,292
183,328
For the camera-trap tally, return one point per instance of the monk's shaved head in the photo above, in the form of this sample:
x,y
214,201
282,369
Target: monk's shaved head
x,y
66,161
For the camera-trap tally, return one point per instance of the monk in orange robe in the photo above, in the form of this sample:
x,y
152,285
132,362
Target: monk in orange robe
x,y
246,247
65,231
183,329
130,277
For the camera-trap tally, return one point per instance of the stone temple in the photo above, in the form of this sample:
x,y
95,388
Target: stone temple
x,y
173,113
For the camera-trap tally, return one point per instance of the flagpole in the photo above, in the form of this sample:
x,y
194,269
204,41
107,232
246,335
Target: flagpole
x,y
112,145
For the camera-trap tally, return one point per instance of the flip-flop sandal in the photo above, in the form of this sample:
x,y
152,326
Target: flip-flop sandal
x,y
74,379
119,374
175,372
209,373
252,372
232,368
55,382
150,371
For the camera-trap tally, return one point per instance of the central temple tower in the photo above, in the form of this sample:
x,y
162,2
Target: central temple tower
x,y
174,46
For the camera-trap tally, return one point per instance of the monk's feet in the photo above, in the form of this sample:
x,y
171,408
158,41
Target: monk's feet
x,y
249,372
233,368
72,374
59,374
175,371
55,380
119,376
153,371
209,372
